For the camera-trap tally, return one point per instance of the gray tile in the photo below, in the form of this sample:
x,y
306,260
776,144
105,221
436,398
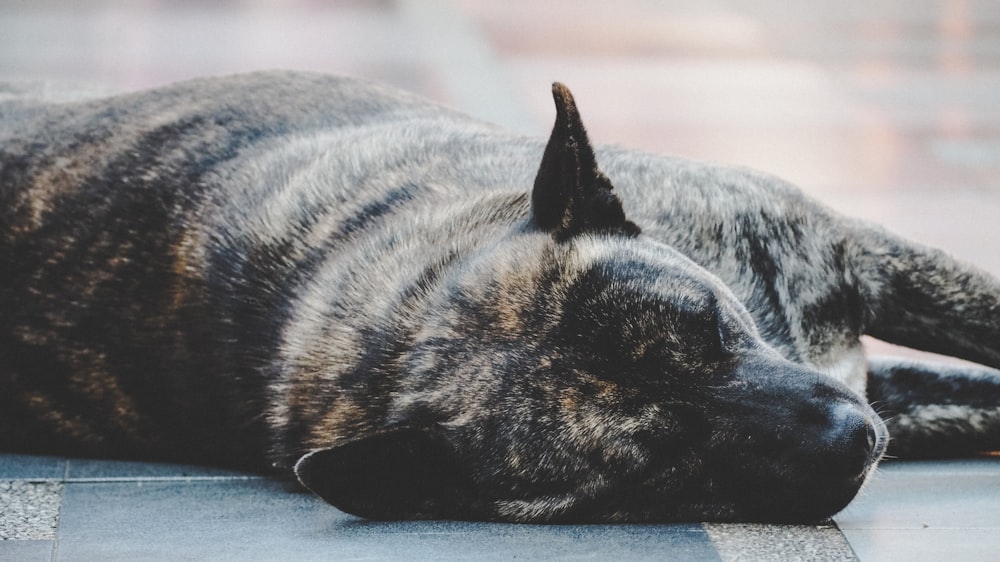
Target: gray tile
x,y
788,543
259,520
928,510
498,541
89,469
26,551
975,466
920,545
29,510
954,494
31,467
224,520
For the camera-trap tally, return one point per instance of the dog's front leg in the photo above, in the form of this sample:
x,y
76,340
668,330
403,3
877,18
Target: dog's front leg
x,y
923,298
936,410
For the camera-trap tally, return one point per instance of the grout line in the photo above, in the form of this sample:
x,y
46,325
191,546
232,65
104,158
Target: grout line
x,y
62,498
845,537
54,553
114,479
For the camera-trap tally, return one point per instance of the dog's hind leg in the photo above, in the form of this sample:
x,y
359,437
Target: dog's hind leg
x,y
936,410
922,298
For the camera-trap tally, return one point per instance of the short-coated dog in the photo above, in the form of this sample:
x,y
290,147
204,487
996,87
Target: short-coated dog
x,y
425,316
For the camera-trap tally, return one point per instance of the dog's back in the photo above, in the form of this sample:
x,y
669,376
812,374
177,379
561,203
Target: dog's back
x,y
160,243
124,324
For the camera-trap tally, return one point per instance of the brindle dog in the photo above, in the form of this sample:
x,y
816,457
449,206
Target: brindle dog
x,y
288,271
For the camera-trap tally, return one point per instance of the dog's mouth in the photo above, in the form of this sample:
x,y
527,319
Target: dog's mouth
x,y
812,477
799,477
768,484
825,483
794,452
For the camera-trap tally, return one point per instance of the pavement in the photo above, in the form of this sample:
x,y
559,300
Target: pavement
x,y
884,110
54,508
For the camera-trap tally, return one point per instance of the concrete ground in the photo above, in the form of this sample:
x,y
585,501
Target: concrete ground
x,y
885,110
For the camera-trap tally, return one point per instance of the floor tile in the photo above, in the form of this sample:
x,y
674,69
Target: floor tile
x,y
929,495
26,551
88,469
30,510
927,510
483,541
31,467
928,545
259,520
788,543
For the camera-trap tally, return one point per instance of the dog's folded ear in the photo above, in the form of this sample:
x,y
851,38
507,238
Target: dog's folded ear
x,y
398,473
571,195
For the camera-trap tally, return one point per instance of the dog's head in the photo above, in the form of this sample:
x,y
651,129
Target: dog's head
x,y
582,372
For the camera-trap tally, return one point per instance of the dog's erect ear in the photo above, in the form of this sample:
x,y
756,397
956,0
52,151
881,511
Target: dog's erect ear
x,y
398,473
571,195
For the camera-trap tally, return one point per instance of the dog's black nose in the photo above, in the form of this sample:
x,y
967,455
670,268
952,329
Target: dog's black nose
x,y
854,438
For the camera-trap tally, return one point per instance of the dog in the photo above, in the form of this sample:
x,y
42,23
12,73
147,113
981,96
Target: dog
x,y
422,315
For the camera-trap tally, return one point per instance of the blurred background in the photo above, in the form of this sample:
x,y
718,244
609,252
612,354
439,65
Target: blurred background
x,y
884,109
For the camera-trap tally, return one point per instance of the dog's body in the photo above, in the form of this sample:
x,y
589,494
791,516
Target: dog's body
x,y
294,270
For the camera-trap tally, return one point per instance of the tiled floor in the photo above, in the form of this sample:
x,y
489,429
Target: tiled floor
x,y
888,110
72,509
